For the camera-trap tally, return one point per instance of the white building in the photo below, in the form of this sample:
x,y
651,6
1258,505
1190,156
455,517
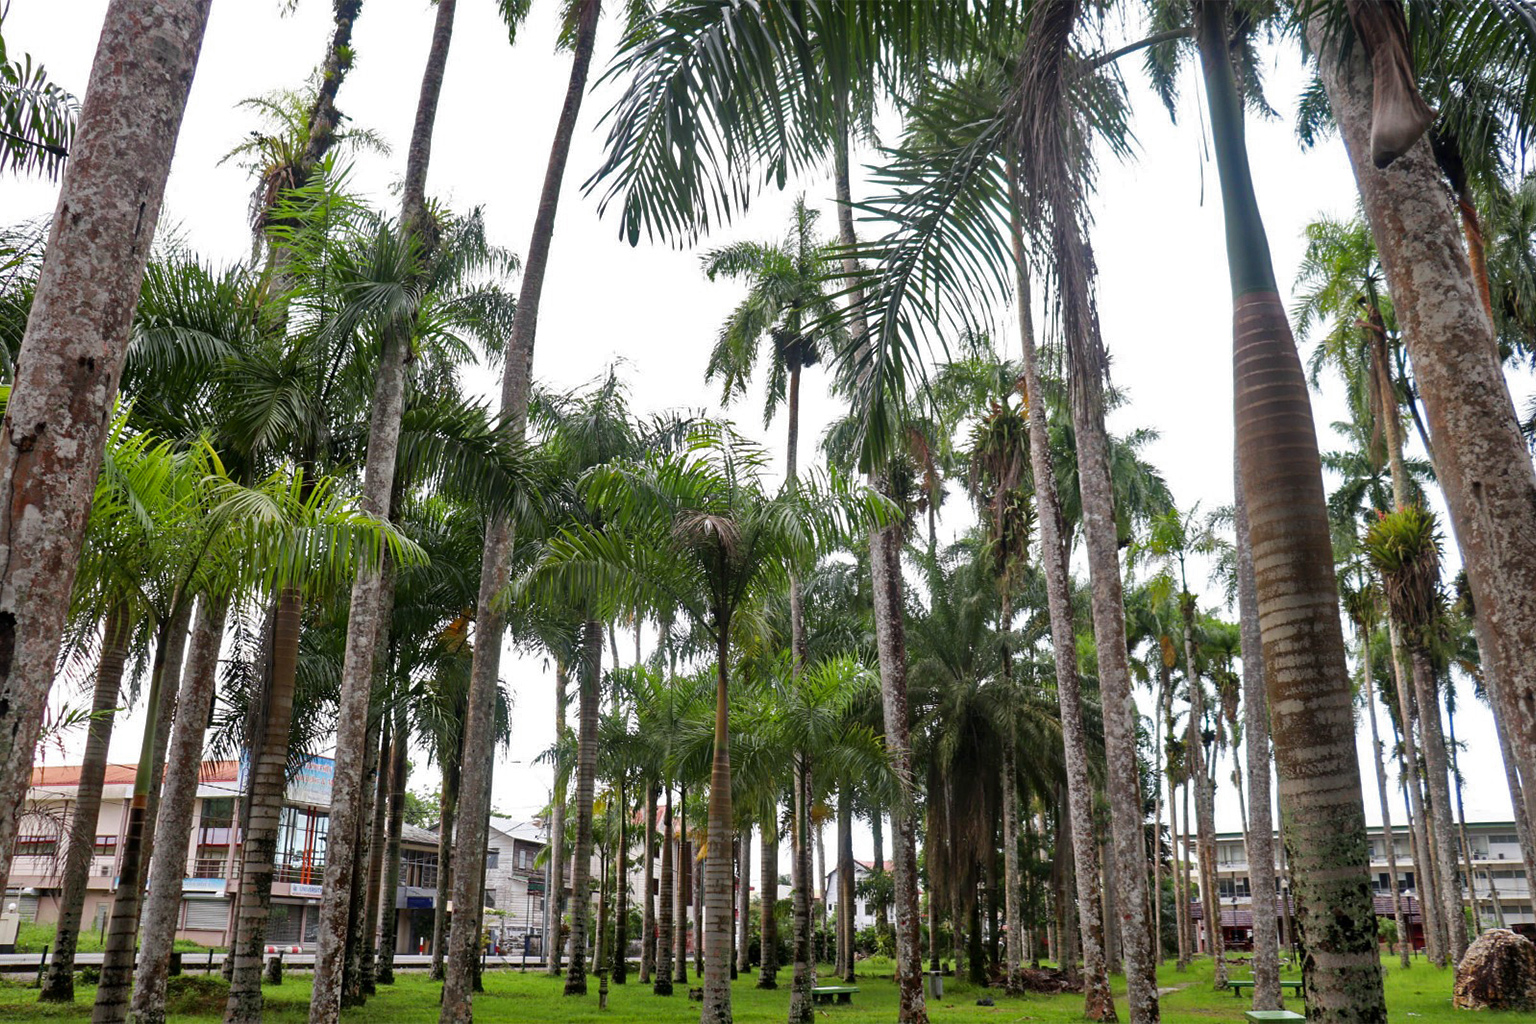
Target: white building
x,y
1500,890
863,909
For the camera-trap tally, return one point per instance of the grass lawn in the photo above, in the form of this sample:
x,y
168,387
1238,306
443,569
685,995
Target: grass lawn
x,y
33,937
1421,995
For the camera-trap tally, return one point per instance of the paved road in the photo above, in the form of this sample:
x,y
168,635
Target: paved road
x,y
193,963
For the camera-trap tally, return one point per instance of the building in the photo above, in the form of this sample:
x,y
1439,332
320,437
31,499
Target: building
x,y
212,856
863,908
515,887
1501,892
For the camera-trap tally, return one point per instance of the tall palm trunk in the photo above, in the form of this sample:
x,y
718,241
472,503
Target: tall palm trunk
x,y
138,841
768,898
71,355
621,891
891,643
173,827
1205,807
1404,944
700,880
264,803
448,806
803,979
744,900
389,917
1180,868
1261,837
648,913
715,928
366,924
662,984
117,633
1098,1002
479,729
1442,815
1418,819
877,833
1481,461
557,855
1311,707
684,893
1012,878
368,605
846,911
589,681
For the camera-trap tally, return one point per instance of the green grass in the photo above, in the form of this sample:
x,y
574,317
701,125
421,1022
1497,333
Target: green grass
x,y
32,937
1421,995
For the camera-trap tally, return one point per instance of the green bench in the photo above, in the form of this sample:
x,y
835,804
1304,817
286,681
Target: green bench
x,y
1273,1016
1239,987
824,993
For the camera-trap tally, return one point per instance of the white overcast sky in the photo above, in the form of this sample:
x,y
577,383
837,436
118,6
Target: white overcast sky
x,y
1163,292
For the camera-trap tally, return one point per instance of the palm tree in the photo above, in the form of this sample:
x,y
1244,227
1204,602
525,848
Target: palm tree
x,y
1173,538
1480,458
695,532
464,938
1292,554
72,352
1404,548
118,555
367,611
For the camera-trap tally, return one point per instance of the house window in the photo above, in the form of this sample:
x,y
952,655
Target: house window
x,y
492,858
418,868
490,897
36,846
105,846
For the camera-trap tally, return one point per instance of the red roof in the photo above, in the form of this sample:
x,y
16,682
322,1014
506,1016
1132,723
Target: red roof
x,y
123,774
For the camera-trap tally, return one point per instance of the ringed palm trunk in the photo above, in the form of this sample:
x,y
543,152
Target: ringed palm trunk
x,y
71,355
891,643
846,911
683,893
389,917
621,894
59,983
479,730
1261,837
1098,1002
448,807
1481,461
138,841
718,874
648,912
359,971
369,603
1311,708
744,901
173,828
662,982
768,898
1404,944
588,682
264,802
557,853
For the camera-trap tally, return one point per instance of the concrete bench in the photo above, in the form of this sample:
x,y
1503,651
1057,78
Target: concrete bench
x,y
825,993
1273,1016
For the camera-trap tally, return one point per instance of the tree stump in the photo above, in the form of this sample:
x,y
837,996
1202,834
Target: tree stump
x,y
274,970
1498,973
